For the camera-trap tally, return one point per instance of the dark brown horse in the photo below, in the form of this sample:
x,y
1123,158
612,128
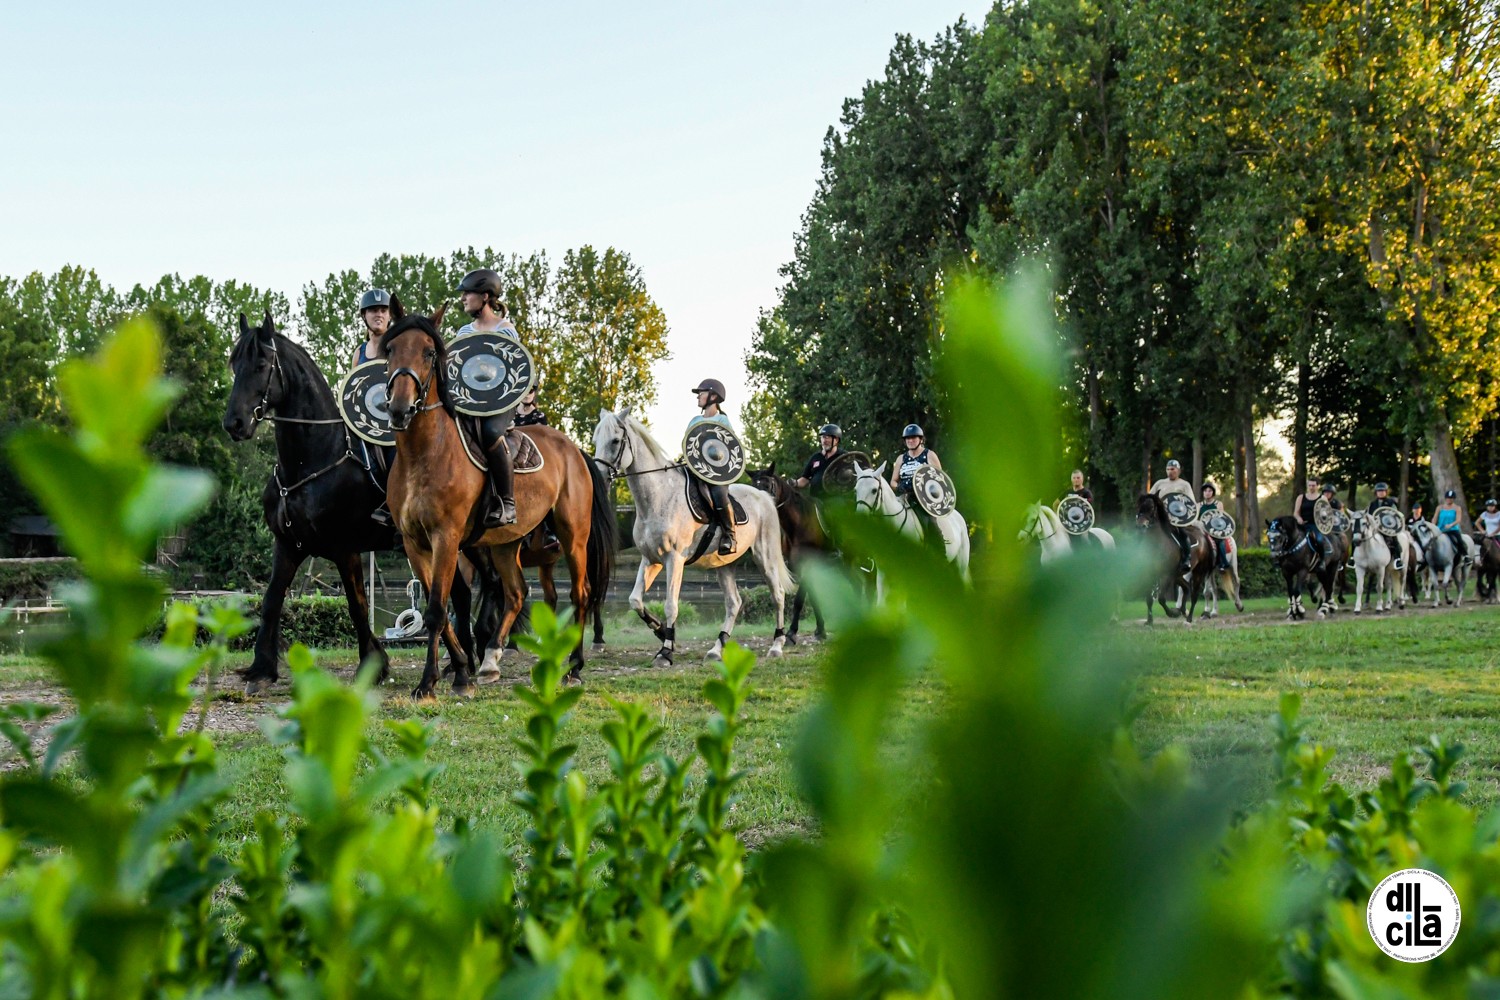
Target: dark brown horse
x,y
1487,570
1151,518
437,493
802,537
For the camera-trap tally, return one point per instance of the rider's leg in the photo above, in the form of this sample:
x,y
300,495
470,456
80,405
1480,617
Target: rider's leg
x,y
1222,548
719,496
1184,550
502,478
1396,562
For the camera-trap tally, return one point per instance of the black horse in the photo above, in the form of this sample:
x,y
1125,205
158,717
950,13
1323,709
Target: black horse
x,y
1296,554
321,493
802,537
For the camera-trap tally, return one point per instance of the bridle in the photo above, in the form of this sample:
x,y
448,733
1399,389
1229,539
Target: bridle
x,y
423,384
620,463
262,412
904,512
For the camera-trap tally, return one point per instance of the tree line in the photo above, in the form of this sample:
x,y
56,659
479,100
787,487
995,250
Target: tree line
x,y
1274,209
589,321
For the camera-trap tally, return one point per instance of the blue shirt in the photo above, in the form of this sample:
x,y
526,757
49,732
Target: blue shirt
x,y
722,419
1447,517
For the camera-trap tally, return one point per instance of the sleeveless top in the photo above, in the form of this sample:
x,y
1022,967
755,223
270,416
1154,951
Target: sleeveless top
x,y
1447,518
909,466
363,354
1305,507
722,418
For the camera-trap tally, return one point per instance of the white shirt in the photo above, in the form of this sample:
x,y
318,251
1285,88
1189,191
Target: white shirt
x,y
1490,523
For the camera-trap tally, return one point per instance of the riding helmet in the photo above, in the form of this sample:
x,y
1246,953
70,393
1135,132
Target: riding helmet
x,y
1492,502
711,385
1382,486
1209,486
1450,495
481,280
832,430
914,430
374,297
1329,488
1172,463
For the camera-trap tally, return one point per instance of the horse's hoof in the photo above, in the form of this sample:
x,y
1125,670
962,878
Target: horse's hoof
x,y
791,638
598,645
257,685
463,690
424,696
714,654
572,679
488,676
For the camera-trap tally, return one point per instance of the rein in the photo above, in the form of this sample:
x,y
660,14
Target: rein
x,y
903,511
615,466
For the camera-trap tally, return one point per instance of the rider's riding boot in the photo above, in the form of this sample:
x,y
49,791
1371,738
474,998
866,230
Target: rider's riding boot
x,y
1397,563
1223,557
1185,557
549,536
502,482
724,514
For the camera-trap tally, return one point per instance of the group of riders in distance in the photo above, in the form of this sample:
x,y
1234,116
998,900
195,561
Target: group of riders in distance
x,y
438,445
1192,537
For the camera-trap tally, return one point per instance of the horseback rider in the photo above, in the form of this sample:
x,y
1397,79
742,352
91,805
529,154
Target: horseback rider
x,y
1078,489
1449,520
1302,513
375,314
1383,499
479,293
528,414
710,394
1416,513
830,441
917,454
1161,489
1210,502
1489,521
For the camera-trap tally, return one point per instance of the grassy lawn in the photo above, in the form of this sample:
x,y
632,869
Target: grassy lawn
x,y
1371,686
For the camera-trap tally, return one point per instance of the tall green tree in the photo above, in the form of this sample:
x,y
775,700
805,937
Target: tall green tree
x,y
610,335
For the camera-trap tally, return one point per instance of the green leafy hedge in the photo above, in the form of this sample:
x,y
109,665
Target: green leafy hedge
x,y
33,578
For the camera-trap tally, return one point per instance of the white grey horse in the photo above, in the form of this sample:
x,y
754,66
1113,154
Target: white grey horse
x,y
1372,558
874,496
1045,527
1446,565
667,535
1227,579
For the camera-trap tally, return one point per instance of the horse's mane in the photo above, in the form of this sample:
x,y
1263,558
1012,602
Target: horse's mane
x,y
657,452
416,321
1049,515
1157,507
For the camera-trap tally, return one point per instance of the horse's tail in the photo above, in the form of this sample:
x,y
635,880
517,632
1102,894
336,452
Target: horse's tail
x,y
604,538
773,563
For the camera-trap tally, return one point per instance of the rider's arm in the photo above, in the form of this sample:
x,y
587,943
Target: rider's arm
x,y
932,460
801,482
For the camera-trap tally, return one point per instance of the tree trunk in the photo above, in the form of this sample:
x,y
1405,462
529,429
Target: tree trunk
x,y
1146,450
1299,428
1493,489
1197,479
1445,470
1252,477
1403,485
1241,508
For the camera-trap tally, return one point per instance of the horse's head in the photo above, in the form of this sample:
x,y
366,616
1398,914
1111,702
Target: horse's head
x,y
414,354
868,484
1032,528
611,445
766,481
259,380
1359,526
1282,534
1149,511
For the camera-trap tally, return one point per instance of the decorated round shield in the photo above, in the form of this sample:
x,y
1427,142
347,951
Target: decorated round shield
x,y
713,453
488,372
1342,522
1217,523
1389,522
1182,510
933,490
1076,515
362,403
843,470
1324,516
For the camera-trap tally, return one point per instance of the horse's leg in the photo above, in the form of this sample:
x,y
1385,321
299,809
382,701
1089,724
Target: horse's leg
x,y
487,622
672,563
575,543
644,578
732,605
461,596
507,560
262,671
351,574
1359,587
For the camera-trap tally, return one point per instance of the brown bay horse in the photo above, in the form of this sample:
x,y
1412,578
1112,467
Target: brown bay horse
x,y
1151,518
436,493
802,538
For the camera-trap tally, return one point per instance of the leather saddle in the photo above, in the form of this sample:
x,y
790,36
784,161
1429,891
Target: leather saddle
x,y
524,454
701,506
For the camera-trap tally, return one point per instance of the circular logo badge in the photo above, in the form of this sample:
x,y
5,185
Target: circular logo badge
x,y
1413,915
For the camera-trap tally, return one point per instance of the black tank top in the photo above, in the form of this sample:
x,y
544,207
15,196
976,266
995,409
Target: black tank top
x,y
1305,507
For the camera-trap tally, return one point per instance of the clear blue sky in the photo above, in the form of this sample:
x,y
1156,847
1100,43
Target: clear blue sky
x,y
276,142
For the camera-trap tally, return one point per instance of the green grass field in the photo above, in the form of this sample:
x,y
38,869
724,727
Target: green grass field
x,y
1371,686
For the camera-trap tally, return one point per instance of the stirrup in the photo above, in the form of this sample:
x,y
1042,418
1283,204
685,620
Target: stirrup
x,y
382,516
726,543
501,514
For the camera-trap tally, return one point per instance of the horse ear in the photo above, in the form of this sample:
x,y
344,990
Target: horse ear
x,y
624,411
880,471
772,470
244,325
437,317
268,324
398,311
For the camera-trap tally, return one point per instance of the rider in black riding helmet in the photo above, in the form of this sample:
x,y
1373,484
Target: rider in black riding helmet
x,y
375,314
528,414
1161,489
479,293
1210,501
1383,499
1303,513
830,438
710,394
916,455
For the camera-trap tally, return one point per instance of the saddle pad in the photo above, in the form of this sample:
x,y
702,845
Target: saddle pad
x,y
524,454
699,504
